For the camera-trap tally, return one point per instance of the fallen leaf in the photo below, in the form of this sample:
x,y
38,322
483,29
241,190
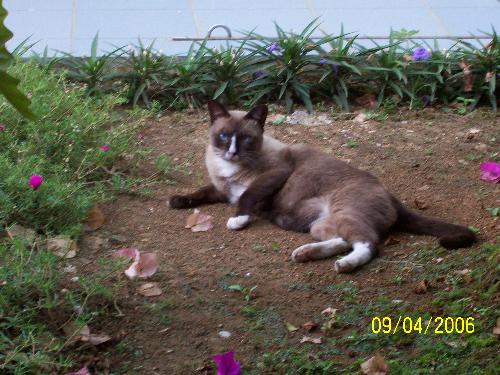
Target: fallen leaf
x,y
391,240
367,100
375,366
490,171
82,371
313,340
149,290
95,339
329,311
421,287
496,330
144,265
20,231
95,219
290,327
420,204
468,76
361,118
62,246
309,326
199,221
83,334
466,274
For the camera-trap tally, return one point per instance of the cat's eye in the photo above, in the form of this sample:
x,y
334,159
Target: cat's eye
x,y
247,141
223,137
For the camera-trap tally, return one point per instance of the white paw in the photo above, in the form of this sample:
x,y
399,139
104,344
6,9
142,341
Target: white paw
x,y
342,266
238,222
300,254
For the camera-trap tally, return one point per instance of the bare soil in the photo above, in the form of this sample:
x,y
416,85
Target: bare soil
x,y
429,159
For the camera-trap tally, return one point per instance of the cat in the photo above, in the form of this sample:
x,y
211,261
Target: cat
x,y
301,189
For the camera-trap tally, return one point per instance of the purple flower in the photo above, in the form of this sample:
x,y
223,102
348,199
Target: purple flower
x,y
258,74
2,128
226,365
335,69
426,100
323,61
104,147
35,181
421,54
274,47
490,171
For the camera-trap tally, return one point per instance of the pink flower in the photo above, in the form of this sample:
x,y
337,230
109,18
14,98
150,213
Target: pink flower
x,y
226,365
104,147
35,181
144,265
140,136
2,128
490,171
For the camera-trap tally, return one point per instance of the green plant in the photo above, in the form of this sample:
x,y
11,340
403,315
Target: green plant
x,y
8,84
464,103
479,69
227,70
190,80
285,68
74,145
144,72
247,292
92,71
34,305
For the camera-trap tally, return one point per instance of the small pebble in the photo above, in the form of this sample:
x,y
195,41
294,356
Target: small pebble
x,y
225,334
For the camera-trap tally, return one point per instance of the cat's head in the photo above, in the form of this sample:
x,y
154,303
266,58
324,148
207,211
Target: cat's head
x,y
236,136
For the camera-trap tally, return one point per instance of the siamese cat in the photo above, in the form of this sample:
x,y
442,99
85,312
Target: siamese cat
x,y
301,189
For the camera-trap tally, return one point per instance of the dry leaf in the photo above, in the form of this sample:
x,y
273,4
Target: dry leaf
x,y
62,246
199,221
144,265
391,240
420,204
313,340
496,330
421,287
468,76
149,290
375,366
329,311
362,117
466,274
309,326
367,100
290,327
19,231
95,219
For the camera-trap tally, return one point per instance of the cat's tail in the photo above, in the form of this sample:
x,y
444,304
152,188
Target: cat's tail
x,y
451,236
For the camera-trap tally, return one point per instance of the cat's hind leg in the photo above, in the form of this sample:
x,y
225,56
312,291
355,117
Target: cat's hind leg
x,y
320,250
362,253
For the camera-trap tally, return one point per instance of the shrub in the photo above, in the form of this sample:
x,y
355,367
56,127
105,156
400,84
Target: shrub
x,y
72,143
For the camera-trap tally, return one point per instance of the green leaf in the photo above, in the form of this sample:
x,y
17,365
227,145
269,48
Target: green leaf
x,y
8,84
494,211
236,287
220,90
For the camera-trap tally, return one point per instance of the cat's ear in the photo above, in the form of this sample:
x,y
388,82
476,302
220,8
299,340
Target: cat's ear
x,y
216,110
258,113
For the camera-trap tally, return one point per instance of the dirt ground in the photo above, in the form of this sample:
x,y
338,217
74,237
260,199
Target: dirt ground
x,y
429,159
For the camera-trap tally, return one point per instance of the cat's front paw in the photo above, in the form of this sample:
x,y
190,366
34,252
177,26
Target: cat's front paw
x,y
178,201
238,222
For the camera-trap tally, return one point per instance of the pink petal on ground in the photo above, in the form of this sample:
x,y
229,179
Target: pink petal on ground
x,y
82,371
226,364
199,221
128,252
143,267
490,171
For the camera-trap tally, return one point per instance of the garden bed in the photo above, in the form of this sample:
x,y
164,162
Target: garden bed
x,y
429,159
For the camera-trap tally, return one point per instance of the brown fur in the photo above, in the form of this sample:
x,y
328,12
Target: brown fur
x,y
301,189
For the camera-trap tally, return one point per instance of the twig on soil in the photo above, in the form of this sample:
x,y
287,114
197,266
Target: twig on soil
x,y
120,313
